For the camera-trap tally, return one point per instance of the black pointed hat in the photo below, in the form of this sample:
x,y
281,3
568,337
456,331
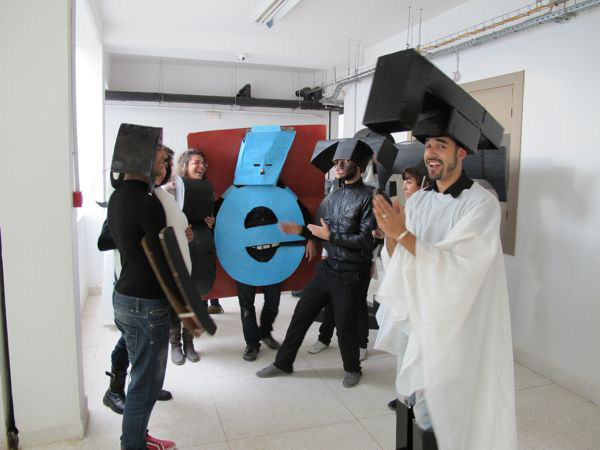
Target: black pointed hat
x,y
410,94
135,152
410,154
382,146
352,149
359,149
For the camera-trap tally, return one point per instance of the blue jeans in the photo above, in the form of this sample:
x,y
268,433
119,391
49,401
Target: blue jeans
x,y
144,325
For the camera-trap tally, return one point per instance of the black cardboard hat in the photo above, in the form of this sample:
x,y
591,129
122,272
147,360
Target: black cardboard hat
x,y
410,94
359,149
410,154
135,152
333,149
382,146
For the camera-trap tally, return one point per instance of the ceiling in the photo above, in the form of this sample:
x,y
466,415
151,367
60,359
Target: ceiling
x,y
314,34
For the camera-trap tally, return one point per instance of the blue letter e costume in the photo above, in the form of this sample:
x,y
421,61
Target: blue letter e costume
x,y
250,246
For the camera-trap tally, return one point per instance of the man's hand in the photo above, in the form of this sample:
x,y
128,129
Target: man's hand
x,y
290,228
322,232
311,250
189,234
390,219
210,221
378,234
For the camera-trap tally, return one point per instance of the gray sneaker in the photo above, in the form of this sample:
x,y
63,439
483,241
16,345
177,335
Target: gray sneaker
x,y
351,379
317,347
271,371
177,355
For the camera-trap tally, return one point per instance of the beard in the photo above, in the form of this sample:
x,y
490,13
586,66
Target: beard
x,y
351,171
444,172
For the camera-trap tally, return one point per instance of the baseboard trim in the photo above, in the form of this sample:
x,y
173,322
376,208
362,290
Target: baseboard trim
x,y
74,431
583,388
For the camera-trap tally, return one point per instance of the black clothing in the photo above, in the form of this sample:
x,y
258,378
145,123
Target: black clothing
x,y
252,332
349,214
342,279
345,292
464,182
105,240
328,323
132,215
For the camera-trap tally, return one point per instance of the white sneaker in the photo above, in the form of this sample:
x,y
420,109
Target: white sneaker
x,y
362,354
317,347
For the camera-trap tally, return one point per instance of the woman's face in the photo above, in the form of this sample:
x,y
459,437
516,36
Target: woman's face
x,y
196,167
409,186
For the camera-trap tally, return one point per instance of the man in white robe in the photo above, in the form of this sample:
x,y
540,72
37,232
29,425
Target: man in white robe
x,y
445,287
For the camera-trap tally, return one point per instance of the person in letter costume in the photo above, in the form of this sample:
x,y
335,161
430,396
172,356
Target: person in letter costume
x,y
140,307
114,397
445,284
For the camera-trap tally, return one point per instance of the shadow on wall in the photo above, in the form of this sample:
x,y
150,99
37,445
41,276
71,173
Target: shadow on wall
x,y
544,231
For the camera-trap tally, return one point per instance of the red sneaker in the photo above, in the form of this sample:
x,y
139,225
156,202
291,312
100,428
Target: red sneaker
x,y
159,444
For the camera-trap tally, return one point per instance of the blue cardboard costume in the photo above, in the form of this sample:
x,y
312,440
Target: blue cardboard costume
x,y
259,254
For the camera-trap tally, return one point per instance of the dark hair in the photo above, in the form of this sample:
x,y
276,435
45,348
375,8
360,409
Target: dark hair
x,y
170,155
412,172
184,160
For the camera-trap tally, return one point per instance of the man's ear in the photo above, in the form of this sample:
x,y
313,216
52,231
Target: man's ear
x,y
462,153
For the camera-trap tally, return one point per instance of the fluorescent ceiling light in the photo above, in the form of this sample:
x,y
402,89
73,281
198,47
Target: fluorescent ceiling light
x,y
274,12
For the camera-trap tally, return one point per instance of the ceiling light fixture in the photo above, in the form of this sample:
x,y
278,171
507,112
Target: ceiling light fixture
x,y
274,12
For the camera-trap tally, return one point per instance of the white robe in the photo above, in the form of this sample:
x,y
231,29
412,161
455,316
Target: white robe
x,y
449,314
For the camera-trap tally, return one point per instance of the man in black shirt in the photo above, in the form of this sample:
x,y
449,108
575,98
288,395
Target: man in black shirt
x,y
140,306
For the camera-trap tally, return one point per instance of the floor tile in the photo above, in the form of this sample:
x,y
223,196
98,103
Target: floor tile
x,y
220,404
250,406
374,391
382,429
552,418
347,435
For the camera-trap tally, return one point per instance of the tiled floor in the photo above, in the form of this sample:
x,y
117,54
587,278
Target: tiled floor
x,y
220,404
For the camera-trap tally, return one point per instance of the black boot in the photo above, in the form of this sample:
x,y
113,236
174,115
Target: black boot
x,y
176,350
114,397
188,347
404,426
164,395
423,439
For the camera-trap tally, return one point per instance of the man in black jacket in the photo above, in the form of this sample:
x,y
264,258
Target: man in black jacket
x,y
346,229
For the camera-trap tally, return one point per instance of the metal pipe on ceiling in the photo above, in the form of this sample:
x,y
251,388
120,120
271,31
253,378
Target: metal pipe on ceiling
x,y
559,15
159,97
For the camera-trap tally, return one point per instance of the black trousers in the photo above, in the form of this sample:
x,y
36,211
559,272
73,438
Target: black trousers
x,y
119,357
328,323
345,291
252,331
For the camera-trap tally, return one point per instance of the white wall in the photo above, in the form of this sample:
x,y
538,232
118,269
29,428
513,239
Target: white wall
x,y
177,122
90,134
148,74
554,294
38,222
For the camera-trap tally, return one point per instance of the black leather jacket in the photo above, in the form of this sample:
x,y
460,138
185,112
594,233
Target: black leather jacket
x,y
349,213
